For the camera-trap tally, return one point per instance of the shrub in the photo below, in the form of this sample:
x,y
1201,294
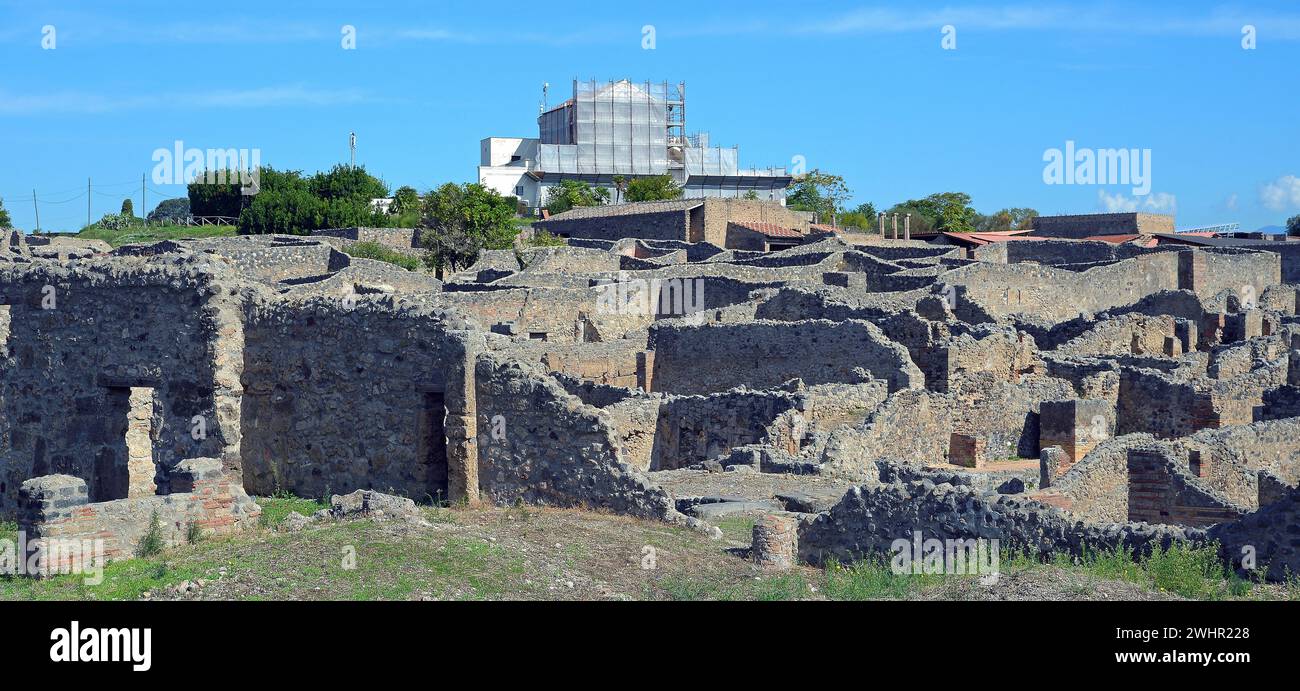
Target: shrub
x,y
378,252
152,542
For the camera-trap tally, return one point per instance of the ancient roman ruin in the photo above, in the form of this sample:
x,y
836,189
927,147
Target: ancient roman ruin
x,y
1060,395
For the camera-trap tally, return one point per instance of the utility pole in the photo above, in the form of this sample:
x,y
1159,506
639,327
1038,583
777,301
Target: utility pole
x,y
88,198
38,210
143,207
352,145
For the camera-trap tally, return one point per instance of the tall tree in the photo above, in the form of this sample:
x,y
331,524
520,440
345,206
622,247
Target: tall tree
x,y
5,221
128,208
821,193
1292,226
571,193
462,220
653,188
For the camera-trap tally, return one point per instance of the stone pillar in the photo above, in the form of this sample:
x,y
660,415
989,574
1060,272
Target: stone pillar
x,y
895,226
461,426
49,498
140,468
967,450
775,541
1075,425
907,227
1052,461
1186,332
881,217
1293,362
645,369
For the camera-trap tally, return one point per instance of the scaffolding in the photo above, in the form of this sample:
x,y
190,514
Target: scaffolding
x,y
636,129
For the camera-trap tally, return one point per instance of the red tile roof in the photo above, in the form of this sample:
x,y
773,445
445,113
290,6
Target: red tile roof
x,y
771,230
824,228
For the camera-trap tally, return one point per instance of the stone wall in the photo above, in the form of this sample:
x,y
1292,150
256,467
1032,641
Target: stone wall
x,y
1056,295
361,401
1087,225
113,326
869,518
765,354
541,445
697,428
206,499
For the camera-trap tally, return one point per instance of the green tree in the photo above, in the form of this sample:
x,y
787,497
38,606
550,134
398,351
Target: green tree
x,y
406,207
1292,225
170,211
944,211
347,182
620,185
821,193
653,188
572,193
217,193
128,209
462,220
5,220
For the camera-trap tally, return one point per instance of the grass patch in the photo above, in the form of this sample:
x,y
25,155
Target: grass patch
x,y
873,579
138,234
737,528
277,507
378,252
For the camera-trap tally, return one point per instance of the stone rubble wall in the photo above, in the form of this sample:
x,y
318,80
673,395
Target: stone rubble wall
x,y
764,354
549,448
207,499
346,408
869,518
165,323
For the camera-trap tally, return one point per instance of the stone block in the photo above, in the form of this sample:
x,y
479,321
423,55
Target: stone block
x,y
1052,461
967,450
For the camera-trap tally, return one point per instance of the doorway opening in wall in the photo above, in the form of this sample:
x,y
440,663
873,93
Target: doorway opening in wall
x,y
432,444
124,466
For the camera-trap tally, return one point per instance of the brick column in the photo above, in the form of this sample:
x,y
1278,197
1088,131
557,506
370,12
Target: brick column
x,y
774,542
140,467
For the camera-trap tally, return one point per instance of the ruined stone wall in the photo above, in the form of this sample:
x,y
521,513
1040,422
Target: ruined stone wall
x,y
696,428
1243,272
1057,295
1272,446
1087,225
1134,334
166,326
916,426
1059,252
616,363
670,224
765,354
870,518
340,397
207,499
273,258
549,448
718,212
1160,490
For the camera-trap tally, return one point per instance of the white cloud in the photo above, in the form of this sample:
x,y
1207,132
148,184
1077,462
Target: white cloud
x,y
1281,194
91,102
1231,202
1157,202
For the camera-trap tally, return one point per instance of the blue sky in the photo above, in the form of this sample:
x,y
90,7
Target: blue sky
x,y
865,91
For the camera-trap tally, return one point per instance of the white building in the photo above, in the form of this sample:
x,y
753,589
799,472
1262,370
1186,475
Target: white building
x,y
620,129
